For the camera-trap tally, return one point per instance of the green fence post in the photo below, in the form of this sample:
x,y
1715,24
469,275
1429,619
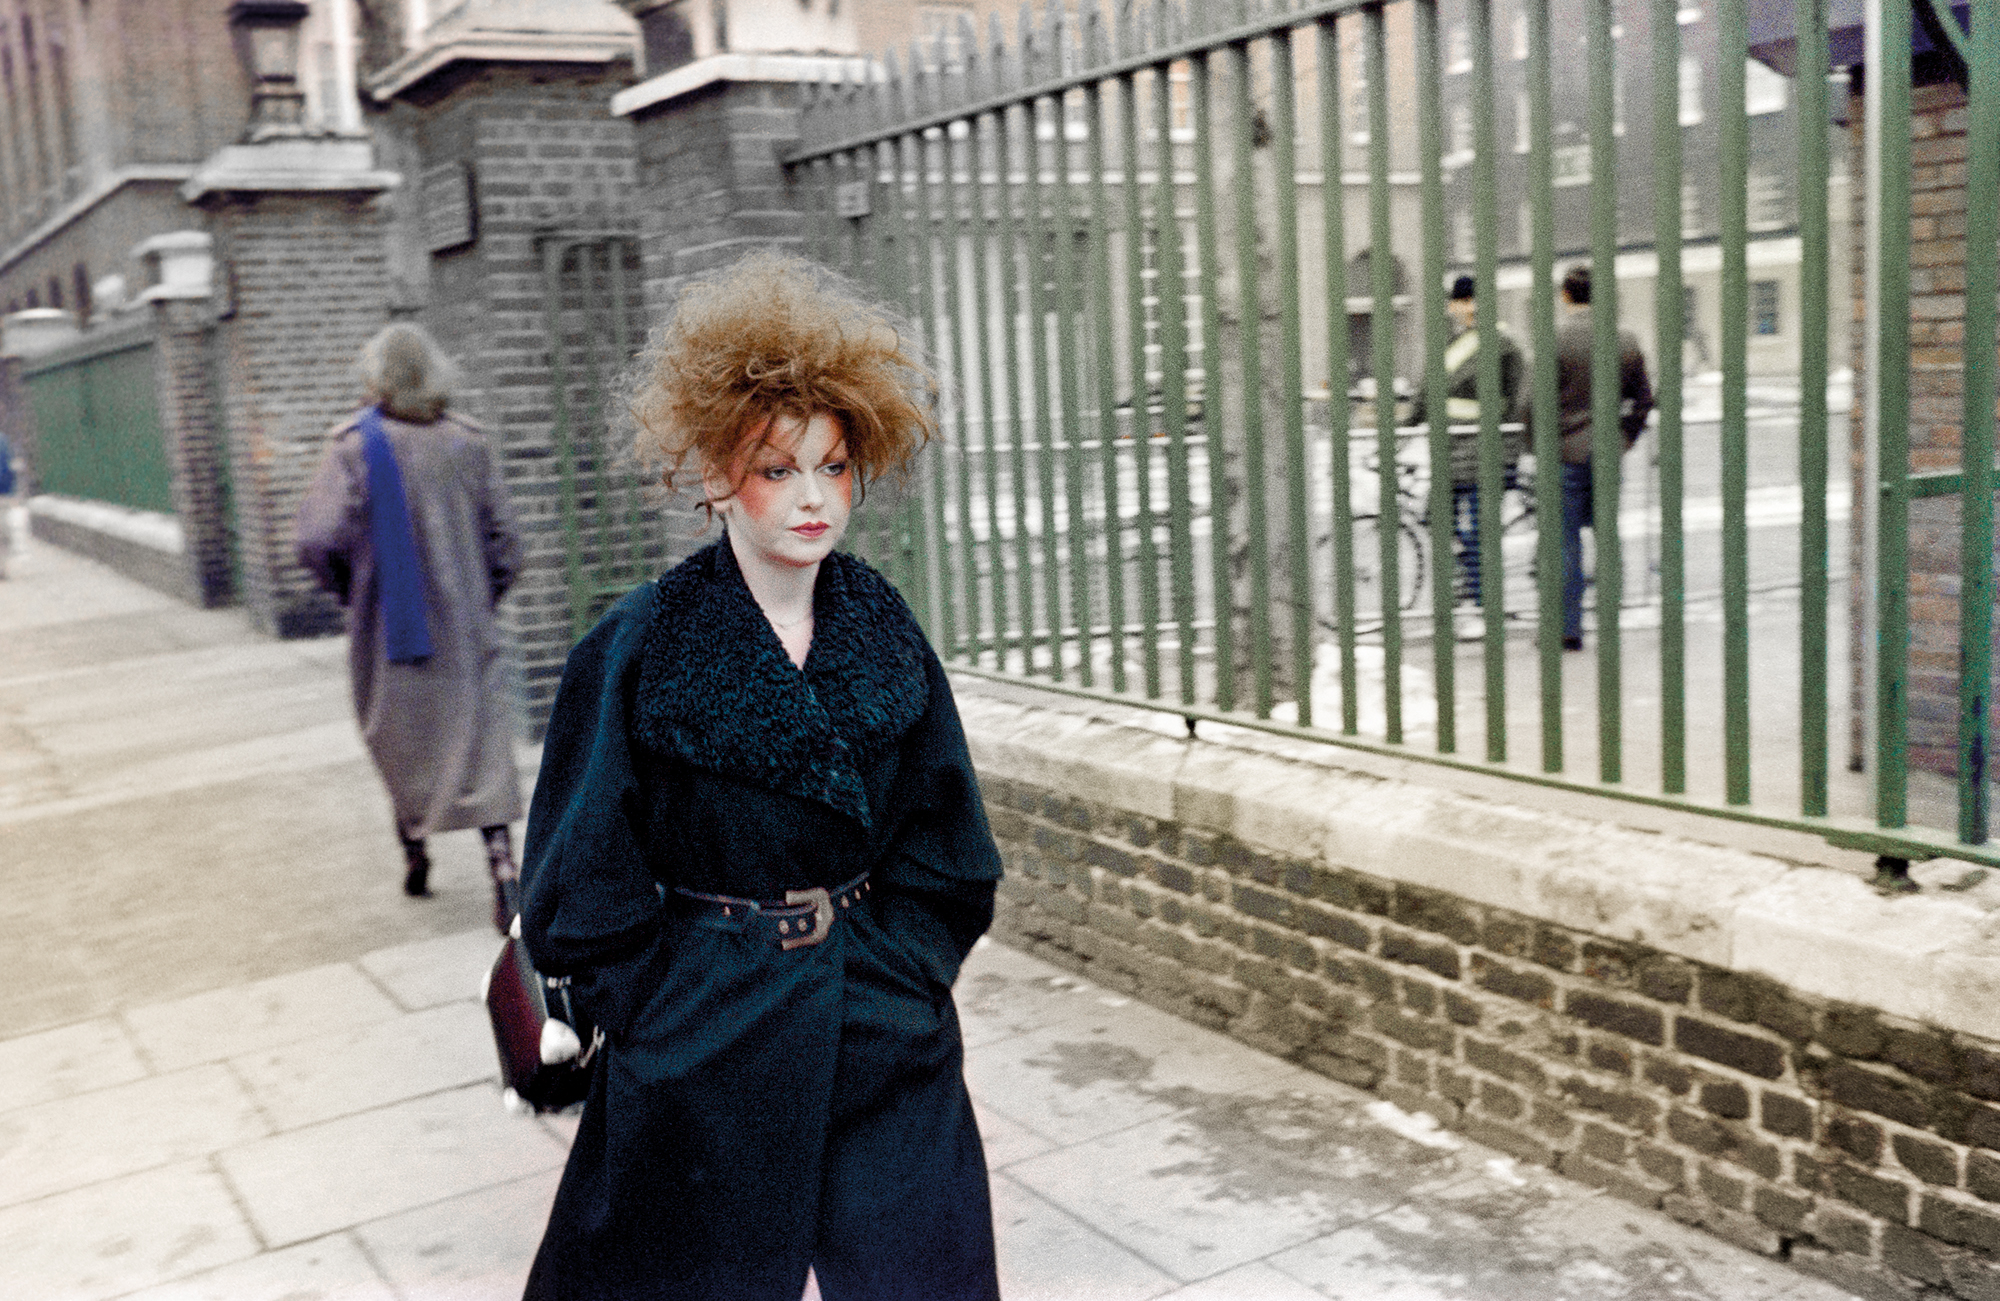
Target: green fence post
x,y
1669,329
1889,87
1333,221
1982,240
1810,22
1382,349
1430,149
1548,436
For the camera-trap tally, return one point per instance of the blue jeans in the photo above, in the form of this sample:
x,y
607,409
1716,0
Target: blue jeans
x,y
1465,532
1578,505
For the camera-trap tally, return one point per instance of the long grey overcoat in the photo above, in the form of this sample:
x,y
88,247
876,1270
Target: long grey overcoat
x,y
440,732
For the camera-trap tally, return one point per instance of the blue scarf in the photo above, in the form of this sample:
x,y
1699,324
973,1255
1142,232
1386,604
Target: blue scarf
x,y
399,574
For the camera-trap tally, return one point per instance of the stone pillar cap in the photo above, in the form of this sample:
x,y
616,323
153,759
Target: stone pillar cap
x,y
295,164
179,263
35,331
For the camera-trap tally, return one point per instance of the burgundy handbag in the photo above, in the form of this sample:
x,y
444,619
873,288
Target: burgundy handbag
x,y
522,1003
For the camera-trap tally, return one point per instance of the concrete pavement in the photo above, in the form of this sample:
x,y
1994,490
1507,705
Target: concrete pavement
x,y
236,1064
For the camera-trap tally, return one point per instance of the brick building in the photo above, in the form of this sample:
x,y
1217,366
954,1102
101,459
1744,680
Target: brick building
x,y
107,107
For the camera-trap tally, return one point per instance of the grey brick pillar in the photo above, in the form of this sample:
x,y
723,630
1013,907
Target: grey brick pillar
x,y
302,271
183,358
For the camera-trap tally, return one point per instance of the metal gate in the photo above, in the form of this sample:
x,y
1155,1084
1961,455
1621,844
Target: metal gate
x,y
97,421
595,323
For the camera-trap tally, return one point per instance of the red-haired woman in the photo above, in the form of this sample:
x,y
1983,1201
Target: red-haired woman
x,y
758,849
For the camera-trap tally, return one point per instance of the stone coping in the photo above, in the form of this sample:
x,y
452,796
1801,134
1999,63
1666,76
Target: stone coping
x,y
145,528
691,77
1803,917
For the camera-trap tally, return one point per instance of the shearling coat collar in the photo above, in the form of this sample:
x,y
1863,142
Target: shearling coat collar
x,y
716,689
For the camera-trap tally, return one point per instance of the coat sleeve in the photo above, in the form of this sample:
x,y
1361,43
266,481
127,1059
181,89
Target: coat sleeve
x,y
941,867
500,531
1635,391
590,906
333,518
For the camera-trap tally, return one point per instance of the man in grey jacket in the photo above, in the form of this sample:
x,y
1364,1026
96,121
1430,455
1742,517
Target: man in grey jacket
x,y
1635,403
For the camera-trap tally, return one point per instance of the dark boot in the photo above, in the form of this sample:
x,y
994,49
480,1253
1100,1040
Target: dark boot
x,y
506,876
417,879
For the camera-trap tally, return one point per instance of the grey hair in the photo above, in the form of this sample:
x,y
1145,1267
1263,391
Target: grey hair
x,y
403,368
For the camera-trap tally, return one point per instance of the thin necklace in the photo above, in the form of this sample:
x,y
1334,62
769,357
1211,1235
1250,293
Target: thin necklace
x,y
787,627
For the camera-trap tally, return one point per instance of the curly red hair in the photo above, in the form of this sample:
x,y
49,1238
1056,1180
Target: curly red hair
x,y
776,336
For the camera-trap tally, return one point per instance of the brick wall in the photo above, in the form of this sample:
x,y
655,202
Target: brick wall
x,y
183,352
550,162
1937,390
304,283
709,163
1861,1146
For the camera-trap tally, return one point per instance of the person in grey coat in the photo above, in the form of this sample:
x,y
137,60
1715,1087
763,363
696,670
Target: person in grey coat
x,y
409,524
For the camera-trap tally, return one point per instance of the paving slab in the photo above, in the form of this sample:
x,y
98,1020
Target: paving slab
x,y
1113,1067
58,1063
80,1140
380,1162
358,1070
115,1237
426,973
1236,1178
1046,1254
1256,1281
283,1009
476,1247
333,1268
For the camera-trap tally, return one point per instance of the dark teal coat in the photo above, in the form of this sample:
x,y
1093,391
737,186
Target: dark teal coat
x,y
759,1110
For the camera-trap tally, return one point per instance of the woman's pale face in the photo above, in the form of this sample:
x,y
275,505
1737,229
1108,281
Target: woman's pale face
x,y
788,496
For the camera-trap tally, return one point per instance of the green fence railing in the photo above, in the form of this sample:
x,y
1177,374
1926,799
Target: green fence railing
x,y
1158,256
97,421
592,326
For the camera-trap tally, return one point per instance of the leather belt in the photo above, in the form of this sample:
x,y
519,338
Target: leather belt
x,y
802,918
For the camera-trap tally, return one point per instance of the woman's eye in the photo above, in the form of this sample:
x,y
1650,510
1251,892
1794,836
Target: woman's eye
x,y
834,470
774,473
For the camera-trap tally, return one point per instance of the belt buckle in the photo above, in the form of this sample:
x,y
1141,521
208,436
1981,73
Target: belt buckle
x,y
822,903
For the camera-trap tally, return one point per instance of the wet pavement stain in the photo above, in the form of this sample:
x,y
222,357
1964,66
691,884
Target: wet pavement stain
x,y
1317,1153
1297,1148
1080,1065
1463,1254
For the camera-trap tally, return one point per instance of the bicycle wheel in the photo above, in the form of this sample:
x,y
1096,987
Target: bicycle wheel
x,y
1410,564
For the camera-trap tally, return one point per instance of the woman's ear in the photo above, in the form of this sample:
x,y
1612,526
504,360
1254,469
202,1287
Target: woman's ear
x,y
717,489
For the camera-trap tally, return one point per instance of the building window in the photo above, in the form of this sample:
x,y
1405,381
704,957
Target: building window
x,y
1523,123
1460,151
1691,218
1764,91
1521,34
1764,307
34,299
943,28
80,287
55,291
1459,44
1690,90
65,119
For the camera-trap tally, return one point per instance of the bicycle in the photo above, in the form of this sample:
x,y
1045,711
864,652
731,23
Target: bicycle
x,y
1413,519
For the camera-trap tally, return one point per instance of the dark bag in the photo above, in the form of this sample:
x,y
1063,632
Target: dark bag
x,y
521,1002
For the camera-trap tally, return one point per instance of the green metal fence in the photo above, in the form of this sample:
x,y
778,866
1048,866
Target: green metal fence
x,y
594,322
97,422
1103,227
